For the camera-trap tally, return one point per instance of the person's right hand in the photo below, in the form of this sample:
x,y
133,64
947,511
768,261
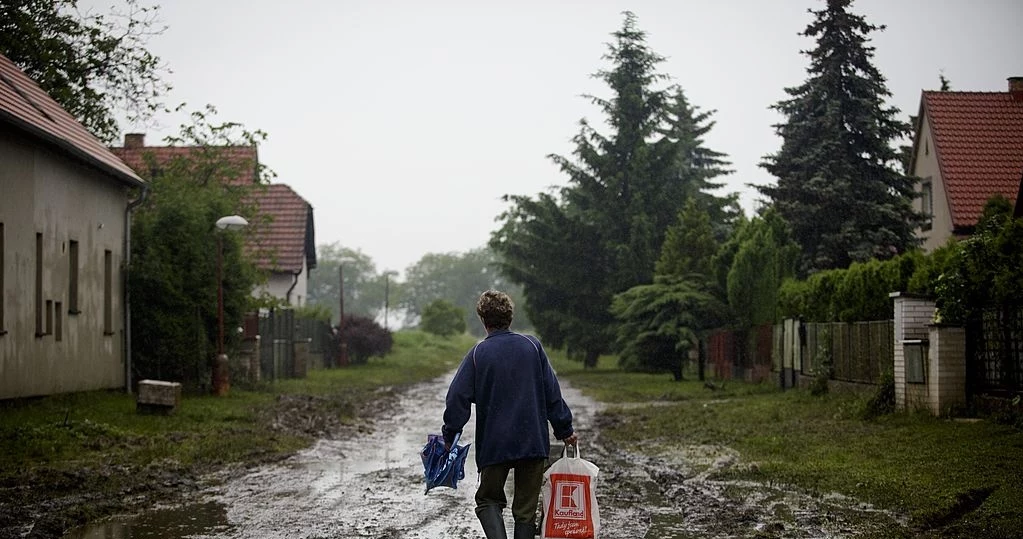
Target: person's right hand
x,y
571,440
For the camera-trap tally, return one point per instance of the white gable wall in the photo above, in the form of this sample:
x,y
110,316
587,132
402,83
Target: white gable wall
x,y
926,168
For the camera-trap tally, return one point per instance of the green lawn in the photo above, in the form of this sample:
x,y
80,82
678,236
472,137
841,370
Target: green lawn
x,y
102,429
959,478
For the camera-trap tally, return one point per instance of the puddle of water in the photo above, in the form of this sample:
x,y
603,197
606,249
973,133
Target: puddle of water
x,y
161,523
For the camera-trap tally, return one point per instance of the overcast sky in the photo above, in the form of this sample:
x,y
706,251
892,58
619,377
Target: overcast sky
x,y
404,122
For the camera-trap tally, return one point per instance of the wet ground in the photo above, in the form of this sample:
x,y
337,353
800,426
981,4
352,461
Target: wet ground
x,y
371,486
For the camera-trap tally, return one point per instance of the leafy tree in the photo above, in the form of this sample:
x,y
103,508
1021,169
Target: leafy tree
x,y
95,66
442,318
365,339
986,270
459,278
838,186
946,85
573,249
172,277
363,286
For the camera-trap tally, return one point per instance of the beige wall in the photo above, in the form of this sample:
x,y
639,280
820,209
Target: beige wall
x,y
926,167
43,192
279,283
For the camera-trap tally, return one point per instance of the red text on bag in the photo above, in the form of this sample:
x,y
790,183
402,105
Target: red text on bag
x,y
568,513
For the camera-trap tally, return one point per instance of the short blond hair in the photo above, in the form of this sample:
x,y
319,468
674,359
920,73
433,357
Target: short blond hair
x,y
495,309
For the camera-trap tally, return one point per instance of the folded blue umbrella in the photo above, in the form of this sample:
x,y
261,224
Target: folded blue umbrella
x,y
443,468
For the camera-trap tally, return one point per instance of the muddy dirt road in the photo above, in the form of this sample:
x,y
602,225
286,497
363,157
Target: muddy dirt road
x,y
371,486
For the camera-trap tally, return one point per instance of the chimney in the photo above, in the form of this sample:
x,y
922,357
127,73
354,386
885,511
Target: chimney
x,y
137,140
1016,88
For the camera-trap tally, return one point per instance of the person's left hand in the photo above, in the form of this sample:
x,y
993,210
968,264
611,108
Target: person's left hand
x,y
571,439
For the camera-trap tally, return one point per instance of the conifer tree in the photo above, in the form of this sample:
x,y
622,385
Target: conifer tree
x,y
572,250
838,183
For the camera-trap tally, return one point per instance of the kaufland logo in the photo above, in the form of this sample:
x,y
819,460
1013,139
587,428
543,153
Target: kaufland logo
x,y
570,501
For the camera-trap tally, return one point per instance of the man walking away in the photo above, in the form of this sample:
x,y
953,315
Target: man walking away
x,y
509,378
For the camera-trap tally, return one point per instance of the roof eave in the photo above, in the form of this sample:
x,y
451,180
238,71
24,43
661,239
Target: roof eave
x,y
916,134
130,179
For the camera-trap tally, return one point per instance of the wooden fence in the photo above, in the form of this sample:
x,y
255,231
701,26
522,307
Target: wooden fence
x,y
745,355
854,352
861,352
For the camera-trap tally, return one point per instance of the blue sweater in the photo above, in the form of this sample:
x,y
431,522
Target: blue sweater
x,y
510,380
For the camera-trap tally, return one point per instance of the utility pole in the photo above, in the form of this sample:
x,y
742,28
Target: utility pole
x,y
343,358
387,295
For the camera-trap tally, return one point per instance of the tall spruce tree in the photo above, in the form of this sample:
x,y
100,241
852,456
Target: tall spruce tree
x,y
839,186
574,249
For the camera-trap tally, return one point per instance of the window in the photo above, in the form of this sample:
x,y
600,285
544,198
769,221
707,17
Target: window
x,y
49,317
39,285
927,203
2,287
72,287
58,321
915,354
108,292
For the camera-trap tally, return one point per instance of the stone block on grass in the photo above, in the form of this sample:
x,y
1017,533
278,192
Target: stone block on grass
x,y
158,397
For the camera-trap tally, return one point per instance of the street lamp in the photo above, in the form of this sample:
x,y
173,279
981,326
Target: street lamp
x,y
221,374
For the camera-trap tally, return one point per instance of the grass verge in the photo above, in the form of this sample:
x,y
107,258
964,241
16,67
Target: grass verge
x,y
954,479
70,458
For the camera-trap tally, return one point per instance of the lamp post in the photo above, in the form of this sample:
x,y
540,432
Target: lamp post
x,y
221,373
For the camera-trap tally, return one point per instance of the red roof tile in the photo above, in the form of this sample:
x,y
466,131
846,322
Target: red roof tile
x,y
282,236
978,137
142,158
24,104
281,233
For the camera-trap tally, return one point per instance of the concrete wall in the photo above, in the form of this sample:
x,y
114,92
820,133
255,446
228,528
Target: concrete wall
x,y
926,168
43,192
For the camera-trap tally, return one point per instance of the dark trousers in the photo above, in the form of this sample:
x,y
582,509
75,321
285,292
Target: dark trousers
x,y
528,479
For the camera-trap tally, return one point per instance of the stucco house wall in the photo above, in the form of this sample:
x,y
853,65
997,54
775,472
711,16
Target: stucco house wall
x,y
279,284
49,203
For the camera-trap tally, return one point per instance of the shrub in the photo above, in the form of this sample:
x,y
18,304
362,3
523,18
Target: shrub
x,y
443,318
882,401
365,339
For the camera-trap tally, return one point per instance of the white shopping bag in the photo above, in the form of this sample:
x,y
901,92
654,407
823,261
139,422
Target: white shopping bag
x,y
570,499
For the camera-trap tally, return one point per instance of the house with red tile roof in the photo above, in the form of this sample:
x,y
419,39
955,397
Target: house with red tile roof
x,y
281,235
65,205
968,147
283,243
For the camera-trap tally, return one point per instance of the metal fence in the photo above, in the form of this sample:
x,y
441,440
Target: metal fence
x,y
276,343
994,352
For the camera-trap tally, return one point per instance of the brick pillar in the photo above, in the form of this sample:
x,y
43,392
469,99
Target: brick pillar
x,y
946,380
913,316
